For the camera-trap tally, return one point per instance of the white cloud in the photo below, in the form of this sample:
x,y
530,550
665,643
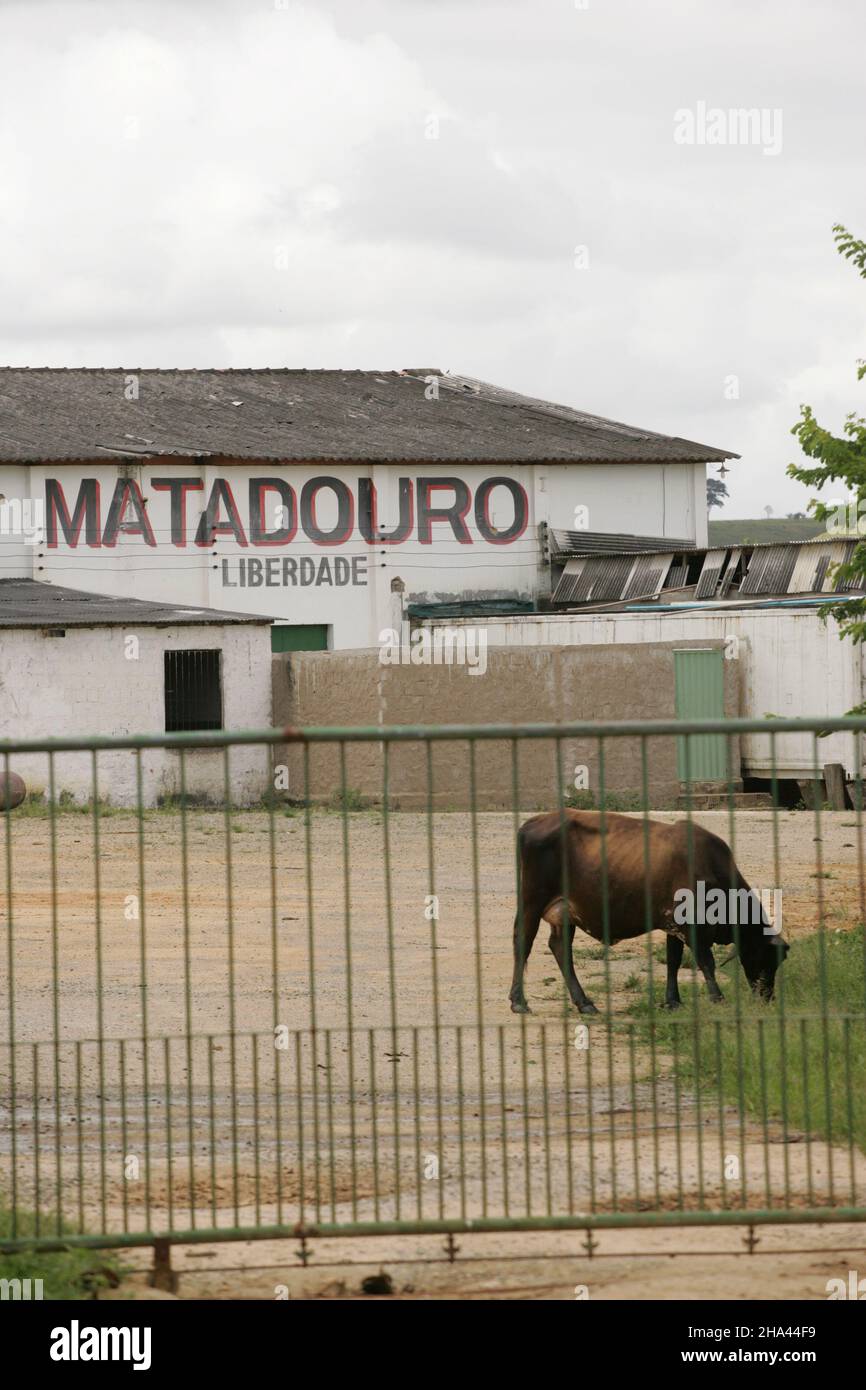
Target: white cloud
x,y
234,183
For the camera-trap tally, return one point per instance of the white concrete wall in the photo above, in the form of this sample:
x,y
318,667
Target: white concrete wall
x,y
649,499
793,665
84,683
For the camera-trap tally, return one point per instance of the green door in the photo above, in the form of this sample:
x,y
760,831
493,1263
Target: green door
x,y
700,694
299,637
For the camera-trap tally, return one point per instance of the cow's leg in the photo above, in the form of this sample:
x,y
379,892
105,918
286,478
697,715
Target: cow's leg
x,y
674,957
560,941
522,946
707,966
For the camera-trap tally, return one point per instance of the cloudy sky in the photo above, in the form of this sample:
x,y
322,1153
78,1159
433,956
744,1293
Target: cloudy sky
x,y
502,189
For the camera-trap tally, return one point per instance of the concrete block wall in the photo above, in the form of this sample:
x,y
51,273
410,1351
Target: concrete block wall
x,y
526,685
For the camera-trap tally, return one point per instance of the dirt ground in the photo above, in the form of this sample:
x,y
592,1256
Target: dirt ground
x,y
400,1087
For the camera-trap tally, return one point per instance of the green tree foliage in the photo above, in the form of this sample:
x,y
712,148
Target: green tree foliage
x,y
840,459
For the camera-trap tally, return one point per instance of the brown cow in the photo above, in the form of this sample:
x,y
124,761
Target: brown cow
x,y
621,868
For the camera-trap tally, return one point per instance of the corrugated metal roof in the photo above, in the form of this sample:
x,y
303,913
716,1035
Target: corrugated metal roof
x,y
811,570
607,578
794,568
647,576
730,570
564,543
28,603
714,562
596,578
770,569
49,414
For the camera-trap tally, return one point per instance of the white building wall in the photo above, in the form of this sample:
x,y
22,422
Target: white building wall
x,y
648,499
84,683
793,665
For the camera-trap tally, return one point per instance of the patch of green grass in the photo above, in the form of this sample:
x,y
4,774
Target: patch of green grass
x,y
822,1060
37,806
172,802
65,1274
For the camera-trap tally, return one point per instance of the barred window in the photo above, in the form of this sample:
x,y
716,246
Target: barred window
x,y
193,691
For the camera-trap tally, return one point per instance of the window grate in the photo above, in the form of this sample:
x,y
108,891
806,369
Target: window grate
x,y
193,691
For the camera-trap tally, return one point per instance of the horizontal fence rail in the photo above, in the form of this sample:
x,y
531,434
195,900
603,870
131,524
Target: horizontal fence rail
x,y
281,983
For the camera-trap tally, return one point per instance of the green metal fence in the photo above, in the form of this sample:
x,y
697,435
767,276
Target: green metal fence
x,y
288,1014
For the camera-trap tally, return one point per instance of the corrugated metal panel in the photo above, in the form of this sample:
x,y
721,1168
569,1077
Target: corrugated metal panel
x,y
773,569
814,560
728,576
567,543
770,570
600,579
714,561
648,575
677,576
844,586
568,582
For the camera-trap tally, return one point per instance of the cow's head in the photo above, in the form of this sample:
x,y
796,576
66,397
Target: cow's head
x,y
760,956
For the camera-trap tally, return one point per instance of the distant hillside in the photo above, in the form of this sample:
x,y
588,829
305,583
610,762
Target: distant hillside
x,y
762,530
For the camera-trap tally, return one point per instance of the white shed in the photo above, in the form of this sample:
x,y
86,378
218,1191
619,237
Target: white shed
x,y
75,663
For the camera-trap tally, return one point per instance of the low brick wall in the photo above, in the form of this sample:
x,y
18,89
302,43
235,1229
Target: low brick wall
x,y
520,685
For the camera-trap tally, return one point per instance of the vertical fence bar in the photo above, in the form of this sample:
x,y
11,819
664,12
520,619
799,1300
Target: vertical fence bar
x,y
55,990
142,980
479,983
187,987
100,984
606,927
392,972
434,977
232,992
10,985
277,1035
781,985
311,980
347,943
649,924
822,969
731,761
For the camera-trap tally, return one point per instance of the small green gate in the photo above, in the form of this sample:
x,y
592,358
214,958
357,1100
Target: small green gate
x,y
700,694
